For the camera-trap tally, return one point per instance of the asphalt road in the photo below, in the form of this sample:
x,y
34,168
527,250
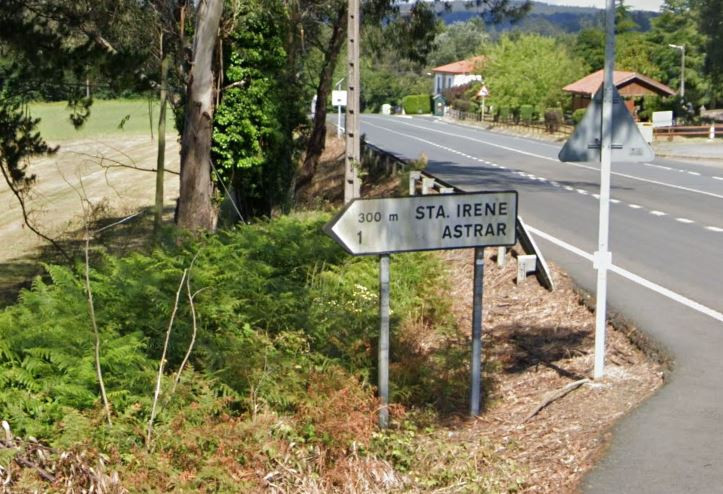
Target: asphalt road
x,y
666,233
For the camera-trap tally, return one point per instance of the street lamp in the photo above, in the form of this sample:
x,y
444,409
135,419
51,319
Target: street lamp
x,y
682,68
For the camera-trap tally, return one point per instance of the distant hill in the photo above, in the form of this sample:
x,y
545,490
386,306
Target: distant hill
x,y
543,18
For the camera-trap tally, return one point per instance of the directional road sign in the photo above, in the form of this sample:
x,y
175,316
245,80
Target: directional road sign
x,y
628,143
448,221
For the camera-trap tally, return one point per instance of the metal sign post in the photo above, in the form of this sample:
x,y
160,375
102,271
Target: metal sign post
x,y
477,293
384,340
405,224
603,256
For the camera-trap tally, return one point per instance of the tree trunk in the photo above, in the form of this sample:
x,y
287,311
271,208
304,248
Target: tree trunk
x,y
161,157
317,140
195,207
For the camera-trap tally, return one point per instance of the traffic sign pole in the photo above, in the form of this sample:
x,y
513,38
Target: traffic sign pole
x,y
478,288
603,256
383,341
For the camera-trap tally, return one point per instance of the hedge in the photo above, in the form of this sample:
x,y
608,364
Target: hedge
x,y
417,103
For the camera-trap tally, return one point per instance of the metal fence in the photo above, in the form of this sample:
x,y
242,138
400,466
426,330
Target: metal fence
x,y
532,127
710,131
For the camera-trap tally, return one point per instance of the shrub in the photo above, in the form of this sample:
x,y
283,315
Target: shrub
x,y
503,113
577,115
417,103
526,112
553,119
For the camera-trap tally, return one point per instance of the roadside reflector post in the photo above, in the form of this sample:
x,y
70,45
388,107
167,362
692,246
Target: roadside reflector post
x,y
384,341
525,264
501,256
477,293
414,177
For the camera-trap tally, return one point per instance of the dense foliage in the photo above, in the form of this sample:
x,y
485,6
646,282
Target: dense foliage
x,y
530,69
277,304
261,107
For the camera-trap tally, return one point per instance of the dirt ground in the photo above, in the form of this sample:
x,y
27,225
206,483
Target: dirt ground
x,y
537,342
98,168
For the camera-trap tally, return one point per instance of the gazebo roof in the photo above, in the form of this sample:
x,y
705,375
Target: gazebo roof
x,y
589,84
460,67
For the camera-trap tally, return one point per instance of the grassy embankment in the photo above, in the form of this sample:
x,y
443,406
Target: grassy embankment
x,y
279,387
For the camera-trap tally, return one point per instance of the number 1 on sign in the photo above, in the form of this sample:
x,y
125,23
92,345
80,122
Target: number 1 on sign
x,y
359,235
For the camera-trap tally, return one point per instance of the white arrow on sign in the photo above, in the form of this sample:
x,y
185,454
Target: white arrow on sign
x,y
404,224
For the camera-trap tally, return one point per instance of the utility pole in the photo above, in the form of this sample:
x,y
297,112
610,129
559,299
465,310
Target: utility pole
x,y
352,183
603,256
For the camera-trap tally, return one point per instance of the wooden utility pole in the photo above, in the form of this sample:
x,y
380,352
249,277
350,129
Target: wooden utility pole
x,y
352,183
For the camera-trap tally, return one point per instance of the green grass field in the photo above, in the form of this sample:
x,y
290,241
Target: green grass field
x,y
105,119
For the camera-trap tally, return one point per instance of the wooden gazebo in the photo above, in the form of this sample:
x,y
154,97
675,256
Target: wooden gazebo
x,y
628,84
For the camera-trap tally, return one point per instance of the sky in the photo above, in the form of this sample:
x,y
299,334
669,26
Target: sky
x,y
653,5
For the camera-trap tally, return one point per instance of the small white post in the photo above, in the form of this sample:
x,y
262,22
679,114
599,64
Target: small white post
x,y
501,255
711,132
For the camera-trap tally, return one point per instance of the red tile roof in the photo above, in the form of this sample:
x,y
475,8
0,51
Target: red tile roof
x,y
590,83
462,67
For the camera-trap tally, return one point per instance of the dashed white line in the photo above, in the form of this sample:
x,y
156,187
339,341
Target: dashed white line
x,y
658,213
582,191
717,178
714,229
567,187
635,206
684,220
694,173
615,201
555,160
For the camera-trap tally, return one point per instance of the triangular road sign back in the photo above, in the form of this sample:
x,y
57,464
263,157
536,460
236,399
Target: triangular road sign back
x,y
628,142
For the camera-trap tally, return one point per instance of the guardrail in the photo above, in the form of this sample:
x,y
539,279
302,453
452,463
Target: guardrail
x,y
531,263
709,131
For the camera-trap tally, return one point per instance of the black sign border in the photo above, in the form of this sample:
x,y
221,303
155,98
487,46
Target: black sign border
x,y
327,228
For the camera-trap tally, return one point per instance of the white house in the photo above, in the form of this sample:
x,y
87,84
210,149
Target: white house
x,y
456,73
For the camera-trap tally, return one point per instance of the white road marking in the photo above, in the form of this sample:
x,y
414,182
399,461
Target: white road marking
x,y
635,206
666,292
539,156
694,173
684,220
582,191
714,228
717,178
567,187
615,201
658,213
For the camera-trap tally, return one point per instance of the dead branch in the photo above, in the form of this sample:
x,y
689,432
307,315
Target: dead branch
x,y
96,334
163,361
193,321
556,395
115,163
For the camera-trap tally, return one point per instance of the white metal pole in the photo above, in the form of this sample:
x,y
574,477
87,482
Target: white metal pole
x,y
338,122
602,256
